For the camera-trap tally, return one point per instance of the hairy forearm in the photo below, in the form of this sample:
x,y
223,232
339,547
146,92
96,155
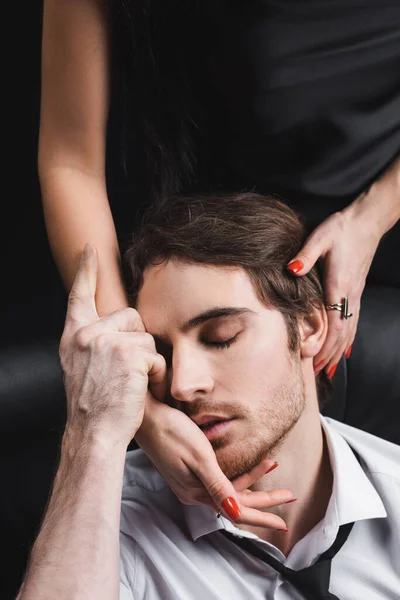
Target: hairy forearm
x,y
76,555
77,211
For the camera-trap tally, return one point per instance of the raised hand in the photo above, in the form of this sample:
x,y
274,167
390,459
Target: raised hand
x,y
107,363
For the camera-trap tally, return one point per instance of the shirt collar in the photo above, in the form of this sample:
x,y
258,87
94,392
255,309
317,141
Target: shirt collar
x,y
354,498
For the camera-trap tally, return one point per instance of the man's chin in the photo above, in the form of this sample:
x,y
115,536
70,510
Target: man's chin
x,y
235,460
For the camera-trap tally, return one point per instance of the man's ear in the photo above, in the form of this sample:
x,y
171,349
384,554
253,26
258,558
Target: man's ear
x,y
313,329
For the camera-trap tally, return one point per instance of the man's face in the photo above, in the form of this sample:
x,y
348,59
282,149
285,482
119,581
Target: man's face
x,y
228,359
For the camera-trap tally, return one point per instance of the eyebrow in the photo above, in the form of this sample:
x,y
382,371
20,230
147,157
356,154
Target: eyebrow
x,y
215,313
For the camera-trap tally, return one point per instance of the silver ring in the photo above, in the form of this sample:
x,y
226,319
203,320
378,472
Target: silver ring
x,y
342,307
218,514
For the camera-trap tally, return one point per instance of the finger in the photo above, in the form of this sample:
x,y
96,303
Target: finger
x,y
220,489
154,366
345,340
316,245
263,500
335,326
158,379
338,348
252,506
354,322
247,479
353,334
125,319
81,300
257,518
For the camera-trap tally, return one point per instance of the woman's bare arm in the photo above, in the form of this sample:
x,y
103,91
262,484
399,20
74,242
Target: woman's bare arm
x,y
73,121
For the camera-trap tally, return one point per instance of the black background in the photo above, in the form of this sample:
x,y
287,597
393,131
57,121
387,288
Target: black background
x,y
32,298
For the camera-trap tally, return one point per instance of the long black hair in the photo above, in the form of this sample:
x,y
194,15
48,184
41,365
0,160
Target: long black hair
x,y
149,41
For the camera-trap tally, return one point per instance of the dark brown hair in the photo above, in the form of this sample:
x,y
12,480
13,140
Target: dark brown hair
x,y
260,234
152,71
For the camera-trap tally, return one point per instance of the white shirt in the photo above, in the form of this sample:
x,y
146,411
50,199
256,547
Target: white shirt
x,y
171,551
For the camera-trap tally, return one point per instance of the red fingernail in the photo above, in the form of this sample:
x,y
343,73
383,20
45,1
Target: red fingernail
x,y
272,468
292,500
295,266
348,352
231,508
321,362
282,529
331,371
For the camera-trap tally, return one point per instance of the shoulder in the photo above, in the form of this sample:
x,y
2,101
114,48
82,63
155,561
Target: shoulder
x,y
379,457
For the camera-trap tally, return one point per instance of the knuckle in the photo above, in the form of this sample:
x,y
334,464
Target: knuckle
x,y
306,255
217,489
131,312
83,339
127,313
338,219
204,456
336,327
75,298
132,316
101,343
149,341
127,352
120,347
184,498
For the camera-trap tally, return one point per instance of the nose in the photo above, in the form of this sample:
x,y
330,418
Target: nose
x,y
190,375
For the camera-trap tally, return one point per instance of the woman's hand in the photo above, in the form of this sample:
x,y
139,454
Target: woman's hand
x,y
346,242
185,458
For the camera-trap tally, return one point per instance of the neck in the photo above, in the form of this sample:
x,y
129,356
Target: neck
x,y
304,468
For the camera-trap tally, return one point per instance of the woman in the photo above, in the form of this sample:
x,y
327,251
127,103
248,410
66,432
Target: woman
x,y
300,99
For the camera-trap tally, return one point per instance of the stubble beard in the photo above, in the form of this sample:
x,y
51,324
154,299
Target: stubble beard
x,y
273,423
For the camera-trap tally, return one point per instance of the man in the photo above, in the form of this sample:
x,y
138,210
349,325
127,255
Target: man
x,y
224,335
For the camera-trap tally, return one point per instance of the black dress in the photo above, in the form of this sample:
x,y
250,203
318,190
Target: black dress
x,y
302,99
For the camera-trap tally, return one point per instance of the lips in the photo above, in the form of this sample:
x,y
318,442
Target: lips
x,y
210,424
204,421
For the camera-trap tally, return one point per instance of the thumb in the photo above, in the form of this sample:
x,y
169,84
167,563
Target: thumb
x,y
220,490
304,260
81,300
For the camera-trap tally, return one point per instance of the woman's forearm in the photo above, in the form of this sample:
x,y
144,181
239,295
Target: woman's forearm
x,y
379,206
76,555
77,211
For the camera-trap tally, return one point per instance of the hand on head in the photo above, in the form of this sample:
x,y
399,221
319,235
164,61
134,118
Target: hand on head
x,y
346,244
107,362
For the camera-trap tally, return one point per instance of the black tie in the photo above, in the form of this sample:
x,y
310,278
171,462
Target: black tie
x,y
313,581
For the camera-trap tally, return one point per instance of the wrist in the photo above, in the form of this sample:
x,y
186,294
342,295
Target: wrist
x,y
88,444
378,209
150,419
382,199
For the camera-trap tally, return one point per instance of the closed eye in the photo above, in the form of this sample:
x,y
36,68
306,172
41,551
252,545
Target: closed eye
x,y
221,344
